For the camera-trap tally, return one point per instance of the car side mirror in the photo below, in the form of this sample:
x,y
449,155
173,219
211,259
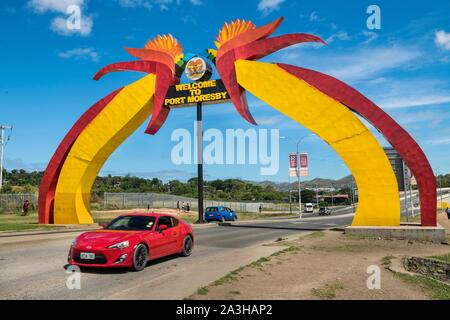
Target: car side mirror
x,y
163,227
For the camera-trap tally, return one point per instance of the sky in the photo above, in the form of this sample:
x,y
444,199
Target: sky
x,y
46,74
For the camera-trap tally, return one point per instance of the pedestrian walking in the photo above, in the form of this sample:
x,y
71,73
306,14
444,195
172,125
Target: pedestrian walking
x,y
260,208
26,206
188,207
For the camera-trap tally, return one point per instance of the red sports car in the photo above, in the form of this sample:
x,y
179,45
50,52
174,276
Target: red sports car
x,y
131,240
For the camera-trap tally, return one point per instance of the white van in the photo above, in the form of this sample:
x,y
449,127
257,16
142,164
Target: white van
x,y
309,207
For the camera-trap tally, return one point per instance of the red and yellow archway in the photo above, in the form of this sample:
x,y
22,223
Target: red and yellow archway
x,y
305,96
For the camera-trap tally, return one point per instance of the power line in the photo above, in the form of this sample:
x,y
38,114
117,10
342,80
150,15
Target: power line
x,y
3,143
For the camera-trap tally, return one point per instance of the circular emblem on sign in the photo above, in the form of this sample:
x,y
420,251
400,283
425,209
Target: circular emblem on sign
x,y
197,69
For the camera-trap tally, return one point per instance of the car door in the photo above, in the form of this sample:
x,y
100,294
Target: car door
x,y
227,213
169,236
160,242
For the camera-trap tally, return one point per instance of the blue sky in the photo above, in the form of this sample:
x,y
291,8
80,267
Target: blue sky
x,y
46,81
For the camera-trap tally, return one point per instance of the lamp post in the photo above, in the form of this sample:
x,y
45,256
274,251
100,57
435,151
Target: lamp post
x,y
298,173
298,169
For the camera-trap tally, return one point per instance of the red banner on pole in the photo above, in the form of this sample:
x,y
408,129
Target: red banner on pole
x,y
303,164
303,160
293,165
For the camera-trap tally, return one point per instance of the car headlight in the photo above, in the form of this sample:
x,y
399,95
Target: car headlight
x,y
120,245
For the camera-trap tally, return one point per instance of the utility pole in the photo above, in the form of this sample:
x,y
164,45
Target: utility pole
x,y
2,147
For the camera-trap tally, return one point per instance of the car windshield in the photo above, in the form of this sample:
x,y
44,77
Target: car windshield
x,y
138,223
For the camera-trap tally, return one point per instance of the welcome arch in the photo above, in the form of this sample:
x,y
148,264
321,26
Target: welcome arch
x,y
304,95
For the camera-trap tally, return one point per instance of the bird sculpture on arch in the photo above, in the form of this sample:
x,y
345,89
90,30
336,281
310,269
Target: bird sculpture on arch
x,y
319,102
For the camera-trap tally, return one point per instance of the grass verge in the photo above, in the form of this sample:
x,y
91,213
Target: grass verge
x,y
445,257
328,291
436,289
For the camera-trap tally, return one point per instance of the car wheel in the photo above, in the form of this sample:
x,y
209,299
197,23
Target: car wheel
x,y
187,246
139,257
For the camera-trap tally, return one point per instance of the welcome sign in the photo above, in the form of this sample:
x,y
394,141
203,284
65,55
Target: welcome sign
x,y
187,94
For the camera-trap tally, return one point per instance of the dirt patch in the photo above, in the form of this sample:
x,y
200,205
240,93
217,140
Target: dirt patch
x,y
325,265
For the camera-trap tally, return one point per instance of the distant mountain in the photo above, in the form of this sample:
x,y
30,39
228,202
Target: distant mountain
x,y
344,182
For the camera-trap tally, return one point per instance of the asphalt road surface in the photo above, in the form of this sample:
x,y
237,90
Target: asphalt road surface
x,y
33,267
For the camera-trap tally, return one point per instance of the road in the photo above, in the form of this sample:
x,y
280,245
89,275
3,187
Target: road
x,y
32,267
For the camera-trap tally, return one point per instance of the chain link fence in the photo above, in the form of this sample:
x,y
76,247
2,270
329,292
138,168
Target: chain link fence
x,y
155,200
14,202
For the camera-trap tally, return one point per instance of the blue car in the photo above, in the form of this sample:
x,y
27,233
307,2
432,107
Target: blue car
x,y
220,213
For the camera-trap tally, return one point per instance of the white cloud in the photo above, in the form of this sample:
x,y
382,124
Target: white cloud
x,y
353,65
414,100
368,63
80,54
314,16
341,35
59,24
196,2
163,5
268,6
370,36
442,39
407,93
60,6
439,141
135,4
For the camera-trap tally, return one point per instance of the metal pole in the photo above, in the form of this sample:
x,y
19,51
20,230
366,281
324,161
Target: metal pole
x,y
411,199
290,201
317,198
405,201
332,199
2,142
440,191
299,186
200,162
353,194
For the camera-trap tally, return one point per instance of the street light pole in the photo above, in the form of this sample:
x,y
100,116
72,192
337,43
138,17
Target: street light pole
x,y
298,174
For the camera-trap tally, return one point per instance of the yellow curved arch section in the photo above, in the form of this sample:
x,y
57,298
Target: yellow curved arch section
x,y
379,203
120,117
